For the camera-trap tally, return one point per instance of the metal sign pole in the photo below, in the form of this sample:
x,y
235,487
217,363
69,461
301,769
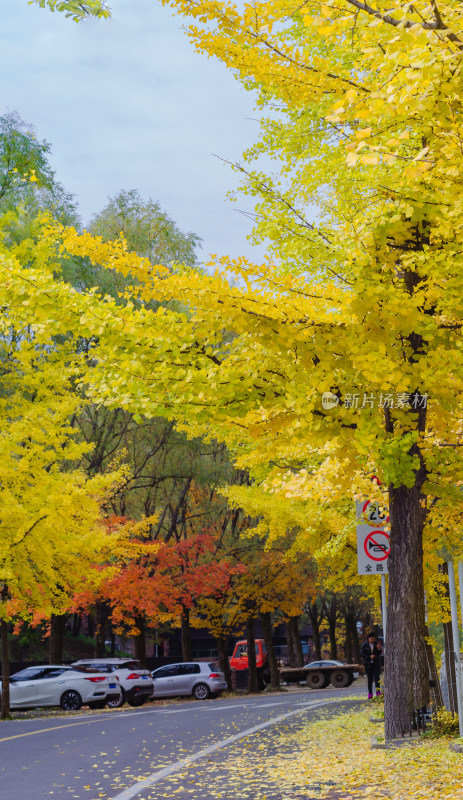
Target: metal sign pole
x,y
384,605
460,581
456,640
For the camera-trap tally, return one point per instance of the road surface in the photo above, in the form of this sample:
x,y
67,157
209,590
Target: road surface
x,y
182,750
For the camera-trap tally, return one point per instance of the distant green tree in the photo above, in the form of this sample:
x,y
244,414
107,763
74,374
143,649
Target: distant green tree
x,y
77,11
148,230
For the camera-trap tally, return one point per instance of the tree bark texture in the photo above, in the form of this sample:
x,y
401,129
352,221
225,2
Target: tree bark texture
x,y
221,644
140,641
252,665
187,652
266,622
101,618
406,670
5,706
290,644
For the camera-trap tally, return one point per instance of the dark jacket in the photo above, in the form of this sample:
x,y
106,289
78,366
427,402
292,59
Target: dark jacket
x,y
366,652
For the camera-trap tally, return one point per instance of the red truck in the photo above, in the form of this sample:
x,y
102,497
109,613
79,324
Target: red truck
x,y
239,659
317,675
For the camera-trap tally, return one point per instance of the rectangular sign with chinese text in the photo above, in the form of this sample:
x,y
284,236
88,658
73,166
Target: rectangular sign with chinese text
x,y
373,545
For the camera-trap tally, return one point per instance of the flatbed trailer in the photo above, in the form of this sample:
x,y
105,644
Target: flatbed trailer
x,y
320,677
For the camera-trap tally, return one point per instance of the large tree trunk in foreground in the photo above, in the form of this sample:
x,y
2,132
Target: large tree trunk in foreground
x,y
252,665
5,708
406,670
266,622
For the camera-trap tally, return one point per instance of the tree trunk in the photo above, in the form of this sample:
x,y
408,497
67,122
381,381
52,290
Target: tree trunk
x,y
221,644
57,623
406,670
294,622
266,622
252,665
187,652
101,619
140,641
76,623
290,643
332,614
91,626
5,706
348,645
316,639
315,616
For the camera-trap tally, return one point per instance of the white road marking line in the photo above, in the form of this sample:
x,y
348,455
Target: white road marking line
x,y
155,777
233,705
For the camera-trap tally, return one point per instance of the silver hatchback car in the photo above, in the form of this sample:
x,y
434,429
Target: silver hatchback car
x,y
198,678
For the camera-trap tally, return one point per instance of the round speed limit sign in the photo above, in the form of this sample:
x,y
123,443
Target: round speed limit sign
x,y
374,514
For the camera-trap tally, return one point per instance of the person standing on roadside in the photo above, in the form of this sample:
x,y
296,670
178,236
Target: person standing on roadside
x,y
371,653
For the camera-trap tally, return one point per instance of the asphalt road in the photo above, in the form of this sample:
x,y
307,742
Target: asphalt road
x,y
181,750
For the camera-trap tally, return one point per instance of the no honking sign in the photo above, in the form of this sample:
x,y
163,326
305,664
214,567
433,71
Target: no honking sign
x,y
373,541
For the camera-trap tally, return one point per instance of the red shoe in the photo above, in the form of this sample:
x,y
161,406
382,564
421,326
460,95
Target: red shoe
x,y
370,696
378,693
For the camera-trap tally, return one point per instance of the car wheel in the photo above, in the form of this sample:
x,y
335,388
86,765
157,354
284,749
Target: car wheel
x,y
117,703
201,691
70,700
340,678
137,701
315,679
97,704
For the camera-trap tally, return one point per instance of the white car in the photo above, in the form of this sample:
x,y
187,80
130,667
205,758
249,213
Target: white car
x,y
56,685
135,681
330,663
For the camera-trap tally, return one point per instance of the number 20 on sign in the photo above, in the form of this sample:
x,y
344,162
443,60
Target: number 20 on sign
x,y
373,545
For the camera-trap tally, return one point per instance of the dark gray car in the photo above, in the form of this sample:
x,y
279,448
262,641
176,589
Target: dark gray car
x,y
197,678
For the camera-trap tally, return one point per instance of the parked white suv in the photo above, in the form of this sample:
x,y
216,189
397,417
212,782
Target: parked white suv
x,y
135,682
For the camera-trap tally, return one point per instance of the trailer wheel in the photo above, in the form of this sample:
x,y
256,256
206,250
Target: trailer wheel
x,y
340,678
315,679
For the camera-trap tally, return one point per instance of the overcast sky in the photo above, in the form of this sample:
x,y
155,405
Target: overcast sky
x,y
128,104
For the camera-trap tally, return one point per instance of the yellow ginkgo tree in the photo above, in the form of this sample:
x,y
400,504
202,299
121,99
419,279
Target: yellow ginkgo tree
x,y
51,526
340,358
